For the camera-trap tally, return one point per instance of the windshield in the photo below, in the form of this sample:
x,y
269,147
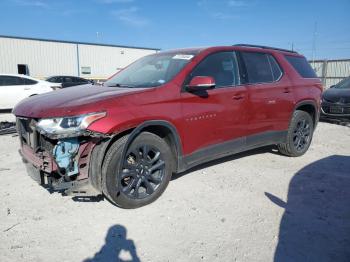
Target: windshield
x,y
343,84
151,71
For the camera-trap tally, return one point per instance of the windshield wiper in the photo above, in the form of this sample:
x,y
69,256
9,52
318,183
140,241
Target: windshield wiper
x,y
120,85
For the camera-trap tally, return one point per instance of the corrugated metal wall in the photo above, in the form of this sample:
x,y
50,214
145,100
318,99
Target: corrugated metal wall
x,y
105,61
43,58
47,58
331,71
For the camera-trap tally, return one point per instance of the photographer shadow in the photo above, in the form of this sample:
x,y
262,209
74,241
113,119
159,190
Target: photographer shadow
x,y
117,247
316,223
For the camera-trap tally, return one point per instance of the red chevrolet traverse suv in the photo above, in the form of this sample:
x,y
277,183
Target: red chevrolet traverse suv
x,y
166,113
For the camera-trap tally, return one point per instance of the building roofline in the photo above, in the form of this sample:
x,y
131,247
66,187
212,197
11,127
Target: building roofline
x,y
330,60
76,42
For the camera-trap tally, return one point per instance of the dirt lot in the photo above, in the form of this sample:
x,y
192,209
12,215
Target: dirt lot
x,y
256,206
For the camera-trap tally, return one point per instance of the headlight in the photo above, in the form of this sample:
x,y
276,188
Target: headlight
x,y
68,126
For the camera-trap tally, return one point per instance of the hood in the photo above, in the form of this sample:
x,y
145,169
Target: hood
x,y
337,95
71,101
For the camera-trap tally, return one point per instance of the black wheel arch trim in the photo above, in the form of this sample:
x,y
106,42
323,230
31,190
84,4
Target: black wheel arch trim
x,y
177,140
311,103
95,173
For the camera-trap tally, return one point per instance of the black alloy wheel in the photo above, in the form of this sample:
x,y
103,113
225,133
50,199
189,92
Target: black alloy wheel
x,y
301,134
142,171
141,175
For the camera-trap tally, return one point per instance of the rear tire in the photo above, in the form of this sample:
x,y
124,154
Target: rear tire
x,y
146,171
299,135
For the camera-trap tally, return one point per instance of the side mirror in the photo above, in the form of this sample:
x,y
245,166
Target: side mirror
x,y
201,83
332,86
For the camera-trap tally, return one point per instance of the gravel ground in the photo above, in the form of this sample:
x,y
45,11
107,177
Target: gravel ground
x,y
255,206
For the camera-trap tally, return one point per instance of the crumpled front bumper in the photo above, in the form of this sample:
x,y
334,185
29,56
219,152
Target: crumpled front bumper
x,y
41,167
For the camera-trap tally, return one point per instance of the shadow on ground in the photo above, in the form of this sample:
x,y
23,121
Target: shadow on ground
x,y
116,247
316,223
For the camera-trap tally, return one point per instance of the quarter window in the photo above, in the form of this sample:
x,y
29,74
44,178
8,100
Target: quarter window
x,y
261,67
221,66
29,81
301,65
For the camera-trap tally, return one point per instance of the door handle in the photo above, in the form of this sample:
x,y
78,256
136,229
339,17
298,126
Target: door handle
x,y
238,97
27,88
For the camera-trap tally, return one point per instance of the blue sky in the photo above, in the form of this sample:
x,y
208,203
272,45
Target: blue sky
x,y
175,24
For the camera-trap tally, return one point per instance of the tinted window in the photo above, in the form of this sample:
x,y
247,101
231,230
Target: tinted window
x,y
275,68
261,67
11,81
2,81
301,65
68,79
79,80
29,81
343,84
52,79
150,71
221,66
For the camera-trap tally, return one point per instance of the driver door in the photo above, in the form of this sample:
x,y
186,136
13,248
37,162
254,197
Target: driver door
x,y
214,117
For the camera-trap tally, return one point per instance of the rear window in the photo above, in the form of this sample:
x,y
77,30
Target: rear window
x,y
301,65
261,67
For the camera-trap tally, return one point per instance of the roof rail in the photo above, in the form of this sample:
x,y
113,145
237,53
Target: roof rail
x,y
266,47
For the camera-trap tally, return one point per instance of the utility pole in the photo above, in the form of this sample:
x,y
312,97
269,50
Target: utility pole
x,y
314,44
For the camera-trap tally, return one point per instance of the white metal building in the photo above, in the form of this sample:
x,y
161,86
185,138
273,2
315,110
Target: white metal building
x,y
42,57
331,72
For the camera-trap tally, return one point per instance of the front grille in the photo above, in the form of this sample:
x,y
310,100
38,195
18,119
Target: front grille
x,y
336,109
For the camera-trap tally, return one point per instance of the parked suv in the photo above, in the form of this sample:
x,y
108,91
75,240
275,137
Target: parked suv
x,y
164,114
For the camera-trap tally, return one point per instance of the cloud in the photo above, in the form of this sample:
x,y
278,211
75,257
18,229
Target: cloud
x,y
223,16
115,1
219,9
237,3
202,3
130,16
33,3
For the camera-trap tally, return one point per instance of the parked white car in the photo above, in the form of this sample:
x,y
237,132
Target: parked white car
x,y
14,88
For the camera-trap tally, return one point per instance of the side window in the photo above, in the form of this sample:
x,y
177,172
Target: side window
x,y
275,68
68,80
2,81
261,67
12,81
301,65
29,81
222,66
80,80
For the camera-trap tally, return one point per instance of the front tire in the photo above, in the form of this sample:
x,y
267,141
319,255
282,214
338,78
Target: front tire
x,y
146,171
299,135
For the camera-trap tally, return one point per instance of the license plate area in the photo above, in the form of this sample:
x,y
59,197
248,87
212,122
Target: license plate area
x,y
336,110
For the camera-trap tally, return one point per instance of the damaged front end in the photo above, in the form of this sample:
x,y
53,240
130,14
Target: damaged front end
x,y
57,152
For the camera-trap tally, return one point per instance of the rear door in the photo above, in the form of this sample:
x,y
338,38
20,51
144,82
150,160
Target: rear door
x,y
217,115
271,99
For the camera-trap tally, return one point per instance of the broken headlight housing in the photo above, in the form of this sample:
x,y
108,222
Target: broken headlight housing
x,y
67,126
